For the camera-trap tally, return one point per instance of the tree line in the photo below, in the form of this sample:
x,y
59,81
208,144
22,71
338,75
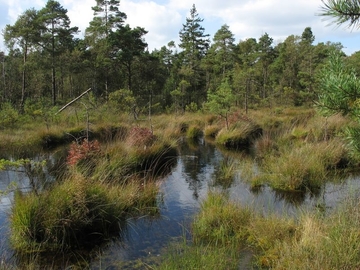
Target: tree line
x,y
47,63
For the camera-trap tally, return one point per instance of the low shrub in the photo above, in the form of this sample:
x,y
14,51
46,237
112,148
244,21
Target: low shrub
x,y
83,151
9,116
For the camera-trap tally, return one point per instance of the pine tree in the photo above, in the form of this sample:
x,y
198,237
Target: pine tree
x,y
195,44
56,35
107,17
24,34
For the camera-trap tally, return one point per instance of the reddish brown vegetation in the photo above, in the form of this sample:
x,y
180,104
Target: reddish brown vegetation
x,y
140,136
82,151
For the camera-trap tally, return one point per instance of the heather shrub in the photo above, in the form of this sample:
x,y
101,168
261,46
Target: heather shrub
x,y
140,136
83,151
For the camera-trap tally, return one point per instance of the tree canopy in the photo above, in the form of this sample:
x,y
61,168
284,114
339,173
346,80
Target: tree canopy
x,y
48,61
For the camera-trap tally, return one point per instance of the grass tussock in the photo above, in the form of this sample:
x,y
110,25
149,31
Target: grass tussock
x,y
324,243
240,136
106,184
225,173
211,131
75,213
311,241
183,256
175,126
194,132
220,221
305,166
302,152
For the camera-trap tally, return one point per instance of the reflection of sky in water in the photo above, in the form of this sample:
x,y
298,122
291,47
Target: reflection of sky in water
x,y
10,179
182,191
146,239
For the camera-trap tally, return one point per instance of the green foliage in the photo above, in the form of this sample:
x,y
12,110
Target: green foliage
x,y
221,101
37,108
113,56
341,11
340,94
340,88
123,100
4,163
178,95
192,107
56,36
9,116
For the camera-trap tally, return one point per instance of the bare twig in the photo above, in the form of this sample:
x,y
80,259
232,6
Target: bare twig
x,y
71,102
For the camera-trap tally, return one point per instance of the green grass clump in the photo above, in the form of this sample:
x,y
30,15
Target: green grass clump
x,y
211,131
194,132
241,136
220,220
225,173
309,241
75,213
267,235
331,242
200,257
231,229
303,166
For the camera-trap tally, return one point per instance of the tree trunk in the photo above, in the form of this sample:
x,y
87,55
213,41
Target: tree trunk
x,y
23,89
53,79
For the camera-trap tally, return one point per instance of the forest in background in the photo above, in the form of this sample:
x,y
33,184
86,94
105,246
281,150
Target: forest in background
x,y
47,65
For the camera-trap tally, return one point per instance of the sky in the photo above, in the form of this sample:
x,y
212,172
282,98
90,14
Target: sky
x,y
163,19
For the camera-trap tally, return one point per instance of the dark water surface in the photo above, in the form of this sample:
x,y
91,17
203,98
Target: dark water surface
x,y
144,241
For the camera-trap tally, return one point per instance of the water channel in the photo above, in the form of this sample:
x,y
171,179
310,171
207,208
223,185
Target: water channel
x,y
144,241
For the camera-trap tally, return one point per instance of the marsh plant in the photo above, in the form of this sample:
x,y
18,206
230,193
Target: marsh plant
x,y
225,174
240,136
105,185
309,241
75,213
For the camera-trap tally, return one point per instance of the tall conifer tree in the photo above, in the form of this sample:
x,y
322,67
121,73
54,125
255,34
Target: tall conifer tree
x,y
195,44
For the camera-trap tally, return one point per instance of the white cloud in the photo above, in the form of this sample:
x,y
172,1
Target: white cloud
x,y
159,20
16,8
80,13
163,19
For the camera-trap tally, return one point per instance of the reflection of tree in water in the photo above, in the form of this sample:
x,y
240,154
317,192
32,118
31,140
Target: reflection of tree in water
x,y
74,259
196,161
44,169
224,173
296,198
